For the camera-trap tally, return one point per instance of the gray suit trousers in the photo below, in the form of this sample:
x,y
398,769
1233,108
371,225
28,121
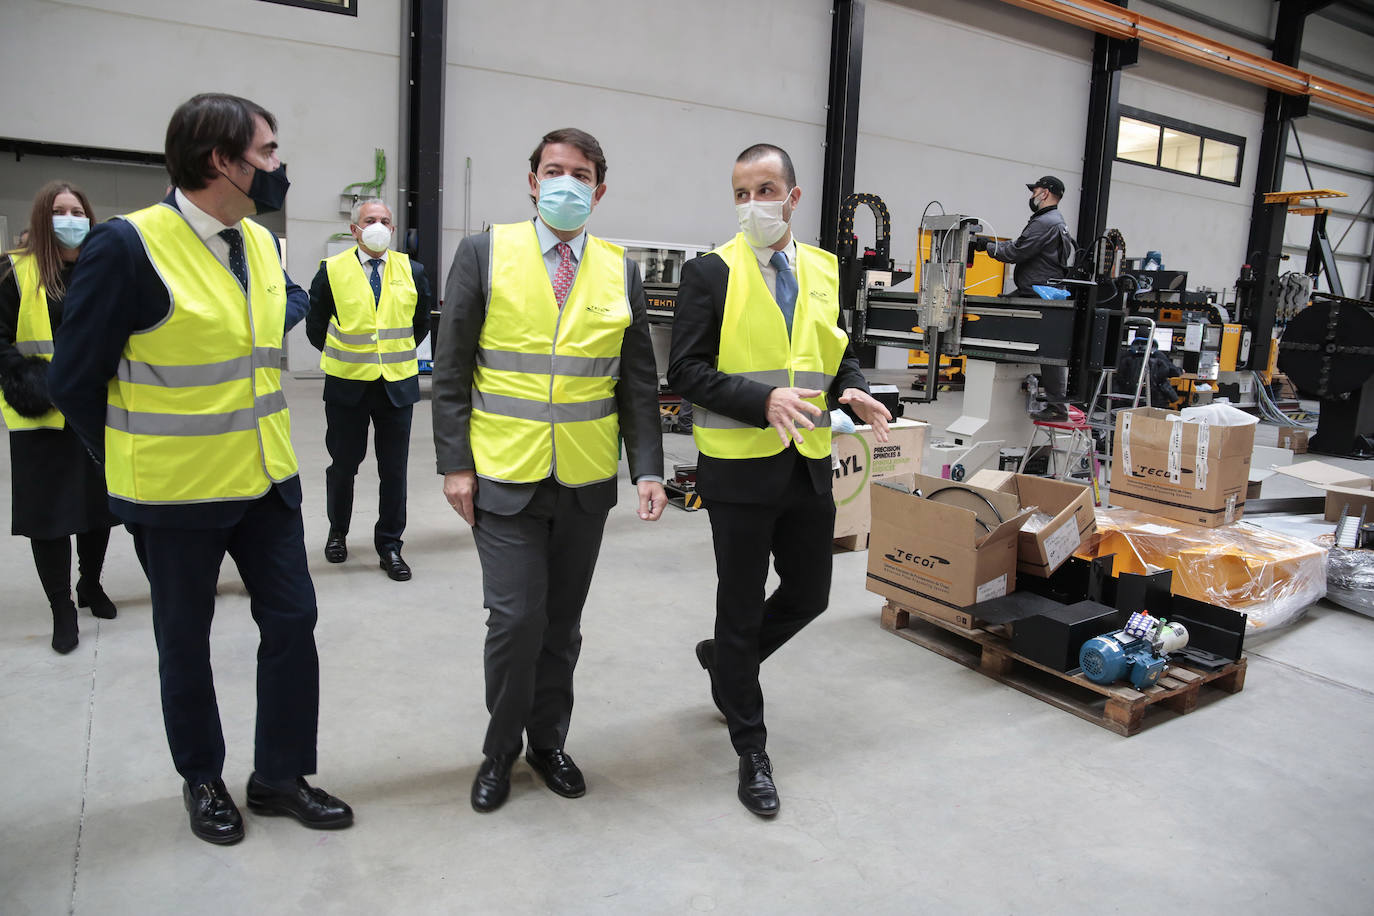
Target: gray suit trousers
x,y
536,569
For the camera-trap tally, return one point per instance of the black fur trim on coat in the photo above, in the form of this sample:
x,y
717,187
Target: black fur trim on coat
x,y
26,387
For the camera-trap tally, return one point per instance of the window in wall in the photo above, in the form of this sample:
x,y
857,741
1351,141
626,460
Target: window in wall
x,y
1164,143
347,7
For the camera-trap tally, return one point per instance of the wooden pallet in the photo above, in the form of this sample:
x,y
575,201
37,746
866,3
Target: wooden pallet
x,y
1119,708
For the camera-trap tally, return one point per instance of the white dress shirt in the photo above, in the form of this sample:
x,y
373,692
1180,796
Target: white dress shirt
x,y
548,243
207,227
770,273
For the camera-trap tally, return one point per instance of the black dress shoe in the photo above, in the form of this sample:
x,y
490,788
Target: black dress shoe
x,y
1051,413
315,808
706,655
336,548
756,789
395,567
559,772
491,788
214,816
90,594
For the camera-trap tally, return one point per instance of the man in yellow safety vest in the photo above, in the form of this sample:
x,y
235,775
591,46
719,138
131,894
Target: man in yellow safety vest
x,y
760,350
542,364
168,366
369,309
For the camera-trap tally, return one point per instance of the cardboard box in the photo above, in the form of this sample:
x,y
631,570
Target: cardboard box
x,y
857,460
1345,490
933,555
1069,505
1294,438
1187,471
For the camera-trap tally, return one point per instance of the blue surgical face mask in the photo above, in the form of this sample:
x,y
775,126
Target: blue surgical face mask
x,y
564,202
70,230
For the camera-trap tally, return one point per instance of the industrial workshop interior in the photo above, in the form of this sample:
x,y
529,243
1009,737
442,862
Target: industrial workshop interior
x,y
1010,444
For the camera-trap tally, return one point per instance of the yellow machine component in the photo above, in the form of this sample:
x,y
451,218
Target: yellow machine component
x,y
1267,373
1230,347
987,277
1238,567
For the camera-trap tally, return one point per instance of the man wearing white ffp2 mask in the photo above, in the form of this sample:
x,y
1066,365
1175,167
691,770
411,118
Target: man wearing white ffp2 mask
x,y
761,392
369,309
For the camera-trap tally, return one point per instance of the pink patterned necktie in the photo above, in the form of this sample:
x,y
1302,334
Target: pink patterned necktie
x,y
563,276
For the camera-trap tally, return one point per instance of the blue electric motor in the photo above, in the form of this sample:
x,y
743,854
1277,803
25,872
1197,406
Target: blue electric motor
x,y
1138,654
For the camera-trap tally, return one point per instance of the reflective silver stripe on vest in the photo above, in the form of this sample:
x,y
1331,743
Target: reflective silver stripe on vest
x,y
141,423
204,374
708,420
34,347
347,356
402,356
396,333
817,380
539,364
542,411
775,377
356,340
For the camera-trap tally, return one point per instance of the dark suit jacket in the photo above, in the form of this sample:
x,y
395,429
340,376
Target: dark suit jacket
x,y
115,291
692,374
351,391
455,356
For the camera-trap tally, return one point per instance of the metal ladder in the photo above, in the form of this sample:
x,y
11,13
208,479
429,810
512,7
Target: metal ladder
x,y
1103,408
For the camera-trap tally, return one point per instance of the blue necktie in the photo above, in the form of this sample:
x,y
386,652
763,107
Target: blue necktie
x,y
238,265
785,287
376,279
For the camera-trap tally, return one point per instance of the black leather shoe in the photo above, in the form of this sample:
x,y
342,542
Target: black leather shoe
x,y
315,808
491,788
214,816
395,567
756,789
559,772
706,655
336,548
90,594
1051,413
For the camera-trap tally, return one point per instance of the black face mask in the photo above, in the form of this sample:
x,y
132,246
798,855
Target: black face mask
x,y
1033,207
268,189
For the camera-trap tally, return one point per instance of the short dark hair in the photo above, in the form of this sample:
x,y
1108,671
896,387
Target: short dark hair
x,y
205,123
760,150
583,141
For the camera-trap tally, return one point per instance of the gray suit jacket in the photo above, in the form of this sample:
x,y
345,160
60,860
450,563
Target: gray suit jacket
x,y
455,356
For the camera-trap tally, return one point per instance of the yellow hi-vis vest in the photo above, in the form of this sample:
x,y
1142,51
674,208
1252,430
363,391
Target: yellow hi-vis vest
x,y
196,412
754,345
370,338
543,392
32,337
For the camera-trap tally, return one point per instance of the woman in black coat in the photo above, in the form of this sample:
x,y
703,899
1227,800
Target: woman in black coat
x,y
58,490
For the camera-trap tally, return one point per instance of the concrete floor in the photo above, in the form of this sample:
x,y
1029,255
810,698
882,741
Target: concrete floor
x,y
909,784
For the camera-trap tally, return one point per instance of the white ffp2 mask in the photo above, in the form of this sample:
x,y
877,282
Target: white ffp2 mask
x,y
376,236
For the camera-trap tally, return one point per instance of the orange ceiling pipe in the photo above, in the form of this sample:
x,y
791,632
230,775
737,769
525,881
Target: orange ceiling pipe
x,y
1110,19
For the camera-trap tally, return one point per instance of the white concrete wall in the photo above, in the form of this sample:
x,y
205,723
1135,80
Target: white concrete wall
x,y
967,114
109,73
672,92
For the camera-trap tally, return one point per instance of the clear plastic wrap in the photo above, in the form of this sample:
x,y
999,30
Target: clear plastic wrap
x,y
1350,577
1271,577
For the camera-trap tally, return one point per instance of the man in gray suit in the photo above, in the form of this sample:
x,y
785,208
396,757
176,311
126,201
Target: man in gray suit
x,y
542,363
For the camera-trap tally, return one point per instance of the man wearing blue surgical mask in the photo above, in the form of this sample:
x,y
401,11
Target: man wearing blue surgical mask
x,y
542,364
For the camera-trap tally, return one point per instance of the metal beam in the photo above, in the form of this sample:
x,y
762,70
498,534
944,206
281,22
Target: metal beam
x,y
421,188
1265,247
1355,18
842,114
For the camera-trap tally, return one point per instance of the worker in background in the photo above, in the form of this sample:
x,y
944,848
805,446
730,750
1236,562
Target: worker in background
x,y
543,363
1043,252
169,368
369,308
760,350
58,491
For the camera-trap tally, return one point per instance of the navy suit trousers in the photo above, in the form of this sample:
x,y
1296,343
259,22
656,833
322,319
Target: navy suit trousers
x,y
346,439
267,545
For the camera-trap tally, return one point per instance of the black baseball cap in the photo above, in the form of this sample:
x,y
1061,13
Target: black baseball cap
x,y
1049,183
